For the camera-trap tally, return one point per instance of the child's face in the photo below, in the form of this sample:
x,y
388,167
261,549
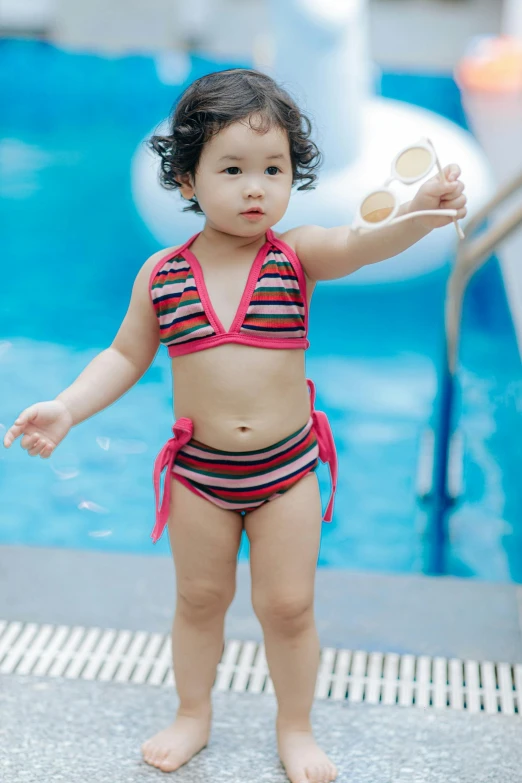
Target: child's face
x,y
225,187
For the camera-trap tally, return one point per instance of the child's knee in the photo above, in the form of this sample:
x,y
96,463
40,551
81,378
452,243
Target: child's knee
x,y
200,601
288,614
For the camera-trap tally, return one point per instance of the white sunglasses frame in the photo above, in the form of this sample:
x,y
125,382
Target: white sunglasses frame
x,y
359,223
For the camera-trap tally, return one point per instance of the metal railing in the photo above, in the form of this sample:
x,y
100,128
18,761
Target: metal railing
x,y
471,255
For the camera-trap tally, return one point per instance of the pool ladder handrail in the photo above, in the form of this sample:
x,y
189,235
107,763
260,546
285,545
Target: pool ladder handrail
x,y
471,255
443,486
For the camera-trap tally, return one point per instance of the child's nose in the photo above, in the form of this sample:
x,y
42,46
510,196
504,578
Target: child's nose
x,y
253,189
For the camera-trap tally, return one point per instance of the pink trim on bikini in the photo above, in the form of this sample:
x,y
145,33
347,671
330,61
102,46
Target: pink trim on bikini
x,y
181,349
245,299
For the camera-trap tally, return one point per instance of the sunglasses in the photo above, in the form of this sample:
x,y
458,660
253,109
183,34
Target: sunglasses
x,y
380,206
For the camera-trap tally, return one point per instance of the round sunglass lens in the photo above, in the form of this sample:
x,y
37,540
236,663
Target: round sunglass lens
x,y
415,162
377,206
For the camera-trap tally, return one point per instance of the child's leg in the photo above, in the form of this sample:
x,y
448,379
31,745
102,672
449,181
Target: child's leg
x,y
284,539
204,540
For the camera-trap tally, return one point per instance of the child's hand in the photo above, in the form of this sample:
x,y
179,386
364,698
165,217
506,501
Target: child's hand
x,y
435,194
43,426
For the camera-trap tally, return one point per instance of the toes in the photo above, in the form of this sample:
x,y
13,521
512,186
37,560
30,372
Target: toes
x,y
169,763
146,751
321,773
164,765
314,774
153,758
152,755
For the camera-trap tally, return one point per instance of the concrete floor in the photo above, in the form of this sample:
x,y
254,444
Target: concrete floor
x,y
89,732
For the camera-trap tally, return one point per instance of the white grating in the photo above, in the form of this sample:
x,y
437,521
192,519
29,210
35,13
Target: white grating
x,y
344,675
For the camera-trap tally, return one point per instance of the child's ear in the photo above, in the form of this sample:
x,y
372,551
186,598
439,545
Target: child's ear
x,y
187,185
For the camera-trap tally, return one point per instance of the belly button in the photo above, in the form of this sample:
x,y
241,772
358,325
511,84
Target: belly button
x,y
244,429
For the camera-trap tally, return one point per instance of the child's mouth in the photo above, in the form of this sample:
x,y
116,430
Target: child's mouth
x,y
253,215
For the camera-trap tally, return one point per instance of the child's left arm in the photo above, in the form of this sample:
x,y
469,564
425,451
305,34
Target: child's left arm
x,y
330,253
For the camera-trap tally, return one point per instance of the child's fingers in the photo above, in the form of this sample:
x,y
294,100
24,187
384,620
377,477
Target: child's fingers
x,y
438,189
12,434
450,188
37,448
46,451
454,203
33,450
28,442
27,416
456,188
20,424
452,172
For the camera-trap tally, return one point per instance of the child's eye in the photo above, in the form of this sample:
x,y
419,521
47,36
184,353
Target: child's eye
x,y
235,169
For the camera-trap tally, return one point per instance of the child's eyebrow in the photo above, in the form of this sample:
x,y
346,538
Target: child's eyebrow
x,y
236,157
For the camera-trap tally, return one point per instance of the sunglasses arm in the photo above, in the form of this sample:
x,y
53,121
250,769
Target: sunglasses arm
x,y
438,212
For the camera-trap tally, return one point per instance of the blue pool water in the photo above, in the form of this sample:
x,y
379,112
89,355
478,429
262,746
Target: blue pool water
x,y
70,230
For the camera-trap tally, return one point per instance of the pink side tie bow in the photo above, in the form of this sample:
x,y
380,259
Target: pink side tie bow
x,y
327,451
182,432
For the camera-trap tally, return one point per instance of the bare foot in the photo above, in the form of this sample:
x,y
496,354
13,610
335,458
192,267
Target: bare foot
x,y
303,759
177,744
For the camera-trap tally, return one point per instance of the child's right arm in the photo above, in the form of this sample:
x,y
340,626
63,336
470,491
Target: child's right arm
x,y
105,379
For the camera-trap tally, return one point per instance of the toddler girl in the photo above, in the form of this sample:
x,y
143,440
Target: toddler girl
x,y
231,306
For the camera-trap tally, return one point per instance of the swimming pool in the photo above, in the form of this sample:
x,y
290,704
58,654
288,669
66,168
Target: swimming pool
x,y
71,228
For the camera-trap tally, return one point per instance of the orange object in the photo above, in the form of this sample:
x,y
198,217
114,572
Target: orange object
x,y
492,65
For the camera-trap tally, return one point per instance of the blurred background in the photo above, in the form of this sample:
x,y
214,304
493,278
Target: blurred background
x,y
430,454
415,34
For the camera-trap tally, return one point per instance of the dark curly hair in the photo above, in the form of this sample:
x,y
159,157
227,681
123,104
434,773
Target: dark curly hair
x,y
215,101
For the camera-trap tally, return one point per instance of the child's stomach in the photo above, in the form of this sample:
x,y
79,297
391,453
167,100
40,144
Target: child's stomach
x,y
241,398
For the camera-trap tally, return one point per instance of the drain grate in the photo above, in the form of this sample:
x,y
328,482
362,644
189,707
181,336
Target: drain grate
x,y
344,675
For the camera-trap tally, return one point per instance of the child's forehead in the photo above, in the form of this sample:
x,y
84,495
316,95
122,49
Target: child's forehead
x,y
240,139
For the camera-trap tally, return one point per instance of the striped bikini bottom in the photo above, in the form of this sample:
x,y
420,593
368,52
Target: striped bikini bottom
x,y
242,481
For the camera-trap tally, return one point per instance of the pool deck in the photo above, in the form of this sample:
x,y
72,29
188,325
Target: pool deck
x,y
89,732
55,729
359,610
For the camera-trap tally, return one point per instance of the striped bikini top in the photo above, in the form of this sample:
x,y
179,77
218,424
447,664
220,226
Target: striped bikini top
x,y
272,313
